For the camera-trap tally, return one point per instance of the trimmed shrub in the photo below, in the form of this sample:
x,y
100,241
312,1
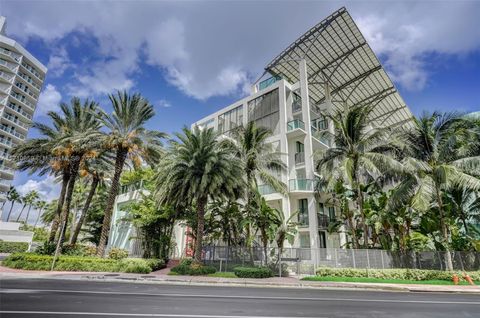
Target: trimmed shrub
x,y
404,274
253,272
46,249
117,253
13,247
193,269
155,264
32,261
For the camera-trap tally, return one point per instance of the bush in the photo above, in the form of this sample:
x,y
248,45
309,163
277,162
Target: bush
x,y
404,274
13,247
155,264
32,261
253,272
46,249
188,267
117,253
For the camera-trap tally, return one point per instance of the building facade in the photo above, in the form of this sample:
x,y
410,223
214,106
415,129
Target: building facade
x,y
328,68
21,80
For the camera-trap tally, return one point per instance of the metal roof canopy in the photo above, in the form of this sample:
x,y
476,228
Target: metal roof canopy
x,y
337,53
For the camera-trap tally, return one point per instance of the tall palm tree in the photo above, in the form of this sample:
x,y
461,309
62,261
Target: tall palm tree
x,y
40,206
31,199
129,138
24,205
437,160
13,196
95,170
360,153
261,163
198,168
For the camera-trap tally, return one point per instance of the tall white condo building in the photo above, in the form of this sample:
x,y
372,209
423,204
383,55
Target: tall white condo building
x,y
21,79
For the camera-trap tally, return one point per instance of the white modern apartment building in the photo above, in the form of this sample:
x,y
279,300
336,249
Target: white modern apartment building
x,y
21,80
329,67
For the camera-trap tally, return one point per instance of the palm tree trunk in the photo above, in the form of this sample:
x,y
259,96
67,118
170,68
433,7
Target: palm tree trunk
x,y
68,199
10,212
93,188
38,218
61,199
119,162
448,256
28,214
200,228
23,208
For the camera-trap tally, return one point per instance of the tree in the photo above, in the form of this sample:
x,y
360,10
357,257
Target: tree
x,y
25,203
40,206
260,162
360,153
95,170
198,168
31,200
129,139
13,196
437,160
266,221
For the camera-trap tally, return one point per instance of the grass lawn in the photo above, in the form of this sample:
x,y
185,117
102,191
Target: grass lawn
x,y
223,274
379,280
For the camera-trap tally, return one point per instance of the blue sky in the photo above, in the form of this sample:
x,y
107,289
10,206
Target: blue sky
x,y
192,58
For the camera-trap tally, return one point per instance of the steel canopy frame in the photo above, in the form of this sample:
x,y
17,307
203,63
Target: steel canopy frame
x,y
337,54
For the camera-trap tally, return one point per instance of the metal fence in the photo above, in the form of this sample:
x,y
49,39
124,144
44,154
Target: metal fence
x,y
305,261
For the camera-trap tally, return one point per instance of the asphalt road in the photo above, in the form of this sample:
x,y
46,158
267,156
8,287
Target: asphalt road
x,y
67,298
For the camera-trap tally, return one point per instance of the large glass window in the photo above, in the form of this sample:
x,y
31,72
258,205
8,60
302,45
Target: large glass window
x,y
264,111
303,212
230,120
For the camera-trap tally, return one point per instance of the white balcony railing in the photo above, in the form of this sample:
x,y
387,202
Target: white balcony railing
x,y
32,71
17,122
6,76
6,142
6,169
18,110
20,98
13,55
29,80
8,65
12,132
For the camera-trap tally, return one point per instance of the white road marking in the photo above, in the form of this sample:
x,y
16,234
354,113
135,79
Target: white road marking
x,y
103,314
29,291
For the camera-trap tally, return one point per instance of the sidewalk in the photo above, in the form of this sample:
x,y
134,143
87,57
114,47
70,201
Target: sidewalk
x,y
161,277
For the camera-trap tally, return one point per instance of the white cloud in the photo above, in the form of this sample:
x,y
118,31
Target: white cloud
x,y
58,62
216,48
47,188
163,103
48,100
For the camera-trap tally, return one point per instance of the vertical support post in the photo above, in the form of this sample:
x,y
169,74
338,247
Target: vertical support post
x,y
336,257
381,256
353,258
368,259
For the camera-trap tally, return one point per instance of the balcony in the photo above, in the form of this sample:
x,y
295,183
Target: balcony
x,y
19,111
131,187
269,81
299,158
265,189
13,133
8,65
6,142
303,218
323,221
296,106
17,122
6,76
6,169
32,71
5,183
306,185
23,100
29,80
295,124
323,137
9,53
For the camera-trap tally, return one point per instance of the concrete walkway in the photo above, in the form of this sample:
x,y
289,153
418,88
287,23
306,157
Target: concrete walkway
x,y
161,277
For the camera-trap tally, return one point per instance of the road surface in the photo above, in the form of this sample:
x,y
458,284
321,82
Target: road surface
x,y
66,298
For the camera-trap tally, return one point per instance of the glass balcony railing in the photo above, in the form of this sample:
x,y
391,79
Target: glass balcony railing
x,y
322,220
6,76
295,124
6,142
131,187
265,189
16,121
12,132
303,218
299,158
323,136
8,65
15,56
301,184
269,81
18,110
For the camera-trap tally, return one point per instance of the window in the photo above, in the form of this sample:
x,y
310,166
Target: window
x,y
230,120
299,147
323,239
303,212
264,111
321,208
331,213
304,240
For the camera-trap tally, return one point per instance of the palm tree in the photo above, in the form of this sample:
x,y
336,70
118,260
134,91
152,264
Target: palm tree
x,y
198,168
437,160
360,153
30,199
25,203
266,221
40,205
261,162
13,196
95,170
129,139
285,231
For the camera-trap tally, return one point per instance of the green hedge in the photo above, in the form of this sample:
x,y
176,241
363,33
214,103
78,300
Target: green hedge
x,y
253,272
13,247
32,261
404,274
187,267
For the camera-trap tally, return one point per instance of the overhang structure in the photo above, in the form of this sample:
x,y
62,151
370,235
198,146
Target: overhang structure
x,y
342,68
